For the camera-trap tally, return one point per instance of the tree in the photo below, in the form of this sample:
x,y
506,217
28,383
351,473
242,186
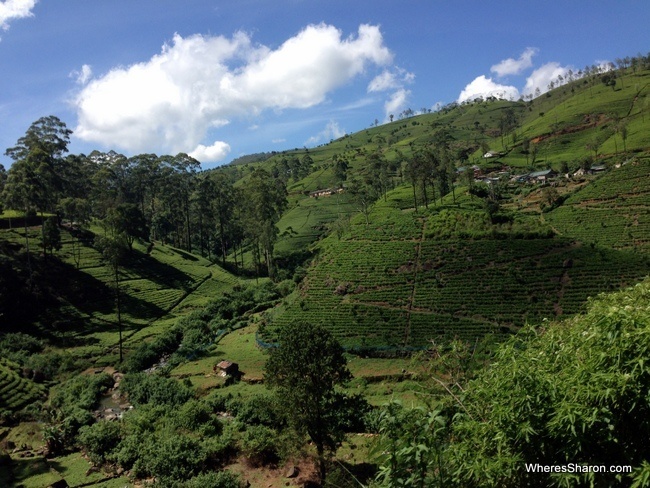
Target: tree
x,y
51,235
363,196
265,200
127,220
113,249
34,179
305,371
78,211
3,179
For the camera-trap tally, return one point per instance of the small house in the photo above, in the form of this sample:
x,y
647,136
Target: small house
x,y
227,368
545,175
326,192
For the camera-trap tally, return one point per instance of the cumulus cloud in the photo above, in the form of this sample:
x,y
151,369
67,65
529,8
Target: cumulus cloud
x,y
199,82
483,87
512,66
542,77
395,79
389,80
397,102
15,9
331,131
211,154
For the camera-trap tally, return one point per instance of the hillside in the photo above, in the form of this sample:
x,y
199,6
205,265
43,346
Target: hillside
x,y
407,277
73,304
582,119
397,239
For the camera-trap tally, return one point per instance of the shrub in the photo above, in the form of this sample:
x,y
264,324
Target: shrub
x,y
196,415
573,393
222,479
99,440
80,392
260,410
259,445
17,341
143,388
171,457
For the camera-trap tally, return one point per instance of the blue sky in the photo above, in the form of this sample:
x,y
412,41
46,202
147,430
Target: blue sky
x,y
221,79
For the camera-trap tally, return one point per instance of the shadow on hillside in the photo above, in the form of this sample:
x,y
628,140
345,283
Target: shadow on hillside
x,y
162,274
90,296
185,255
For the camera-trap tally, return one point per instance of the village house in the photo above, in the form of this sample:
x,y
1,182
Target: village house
x,y
325,192
544,175
476,170
227,368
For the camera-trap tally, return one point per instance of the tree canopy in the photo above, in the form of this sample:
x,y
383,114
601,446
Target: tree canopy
x,y
305,370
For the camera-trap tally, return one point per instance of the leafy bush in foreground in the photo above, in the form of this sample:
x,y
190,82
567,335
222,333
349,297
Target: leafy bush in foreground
x,y
575,392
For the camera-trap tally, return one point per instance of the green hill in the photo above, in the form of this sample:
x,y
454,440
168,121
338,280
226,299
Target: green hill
x,y
581,119
445,272
72,302
408,277
612,211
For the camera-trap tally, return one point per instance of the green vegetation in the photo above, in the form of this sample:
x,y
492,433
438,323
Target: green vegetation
x,y
570,394
395,264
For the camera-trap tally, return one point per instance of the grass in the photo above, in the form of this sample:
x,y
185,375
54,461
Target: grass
x,y
38,472
155,289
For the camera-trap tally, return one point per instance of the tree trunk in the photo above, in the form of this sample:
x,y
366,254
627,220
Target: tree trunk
x,y
415,200
43,237
322,465
29,256
119,308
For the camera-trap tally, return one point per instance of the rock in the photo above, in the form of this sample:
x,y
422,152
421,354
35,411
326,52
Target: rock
x,y
291,472
120,471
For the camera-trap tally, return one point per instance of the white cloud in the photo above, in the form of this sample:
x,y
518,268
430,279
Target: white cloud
x,y
331,131
211,154
512,66
385,81
82,76
278,141
15,9
483,87
170,101
397,102
542,77
395,80
389,80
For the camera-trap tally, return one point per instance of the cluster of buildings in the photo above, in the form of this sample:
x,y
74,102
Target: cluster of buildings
x,y
326,192
542,176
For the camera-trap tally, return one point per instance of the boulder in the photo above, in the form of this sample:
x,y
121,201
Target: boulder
x,y
291,472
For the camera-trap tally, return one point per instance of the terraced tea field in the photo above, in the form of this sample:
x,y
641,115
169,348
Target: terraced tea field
x,y
613,211
162,284
16,392
390,284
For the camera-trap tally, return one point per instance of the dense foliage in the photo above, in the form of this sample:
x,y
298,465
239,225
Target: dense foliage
x,y
572,394
305,369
